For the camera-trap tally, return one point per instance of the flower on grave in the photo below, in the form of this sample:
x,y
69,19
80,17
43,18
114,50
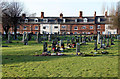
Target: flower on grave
x,y
53,49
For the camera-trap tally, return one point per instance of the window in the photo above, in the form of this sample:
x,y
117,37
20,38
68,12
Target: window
x,y
36,20
75,28
64,20
75,33
25,27
98,27
18,27
88,32
35,32
85,19
84,27
91,27
63,26
18,32
98,19
26,20
55,27
36,27
75,20
44,27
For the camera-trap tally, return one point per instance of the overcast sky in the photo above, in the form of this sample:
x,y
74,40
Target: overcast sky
x,y
67,7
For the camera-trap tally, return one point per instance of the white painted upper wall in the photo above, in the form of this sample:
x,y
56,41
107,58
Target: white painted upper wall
x,y
50,28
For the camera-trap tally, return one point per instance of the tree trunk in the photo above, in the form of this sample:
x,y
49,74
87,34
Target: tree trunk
x,y
15,33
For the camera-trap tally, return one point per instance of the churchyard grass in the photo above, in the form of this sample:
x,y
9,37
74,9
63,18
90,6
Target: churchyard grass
x,y
18,61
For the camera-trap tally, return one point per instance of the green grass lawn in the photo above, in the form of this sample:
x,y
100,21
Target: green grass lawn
x,y
18,61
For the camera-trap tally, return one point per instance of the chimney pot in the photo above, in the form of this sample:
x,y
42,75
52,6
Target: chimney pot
x,y
61,15
42,14
95,14
80,14
106,14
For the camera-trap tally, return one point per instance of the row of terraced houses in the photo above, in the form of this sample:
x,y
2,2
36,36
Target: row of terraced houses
x,y
61,24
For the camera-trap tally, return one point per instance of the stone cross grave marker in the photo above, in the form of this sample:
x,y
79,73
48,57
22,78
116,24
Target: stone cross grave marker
x,y
45,47
77,47
98,38
108,42
38,37
26,39
112,40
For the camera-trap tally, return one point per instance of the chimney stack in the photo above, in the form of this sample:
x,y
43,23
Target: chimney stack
x,y
42,14
116,14
61,15
106,14
95,14
80,14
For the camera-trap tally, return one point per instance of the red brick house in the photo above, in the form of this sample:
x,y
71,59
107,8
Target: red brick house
x,y
74,25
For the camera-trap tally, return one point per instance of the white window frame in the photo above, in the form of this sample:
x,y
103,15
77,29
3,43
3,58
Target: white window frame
x,y
91,26
99,19
76,20
55,26
63,26
98,26
75,32
36,20
26,20
35,27
83,26
85,20
77,28
64,20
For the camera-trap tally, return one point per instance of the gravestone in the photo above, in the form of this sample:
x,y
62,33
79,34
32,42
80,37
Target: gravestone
x,y
23,37
112,40
108,43
29,36
38,37
77,40
95,37
49,37
77,47
54,46
73,42
45,47
26,39
80,38
98,38
68,43
9,41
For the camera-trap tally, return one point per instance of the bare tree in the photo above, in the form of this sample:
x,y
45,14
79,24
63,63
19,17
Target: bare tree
x,y
11,10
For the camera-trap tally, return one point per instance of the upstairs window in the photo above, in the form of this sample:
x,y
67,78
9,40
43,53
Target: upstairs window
x,y
75,28
44,27
63,26
91,27
85,20
26,20
98,27
36,27
75,33
36,20
64,20
75,20
18,27
55,27
99,19
25,27
84,27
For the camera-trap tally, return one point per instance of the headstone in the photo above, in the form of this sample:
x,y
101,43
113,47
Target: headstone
x,y
104,40
77,40
80,38
98,38
23,37
26,39
77,47
112,40
108,43
49,37
95,37
38,37
9,41
54,46
45,47
101,44
68,42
